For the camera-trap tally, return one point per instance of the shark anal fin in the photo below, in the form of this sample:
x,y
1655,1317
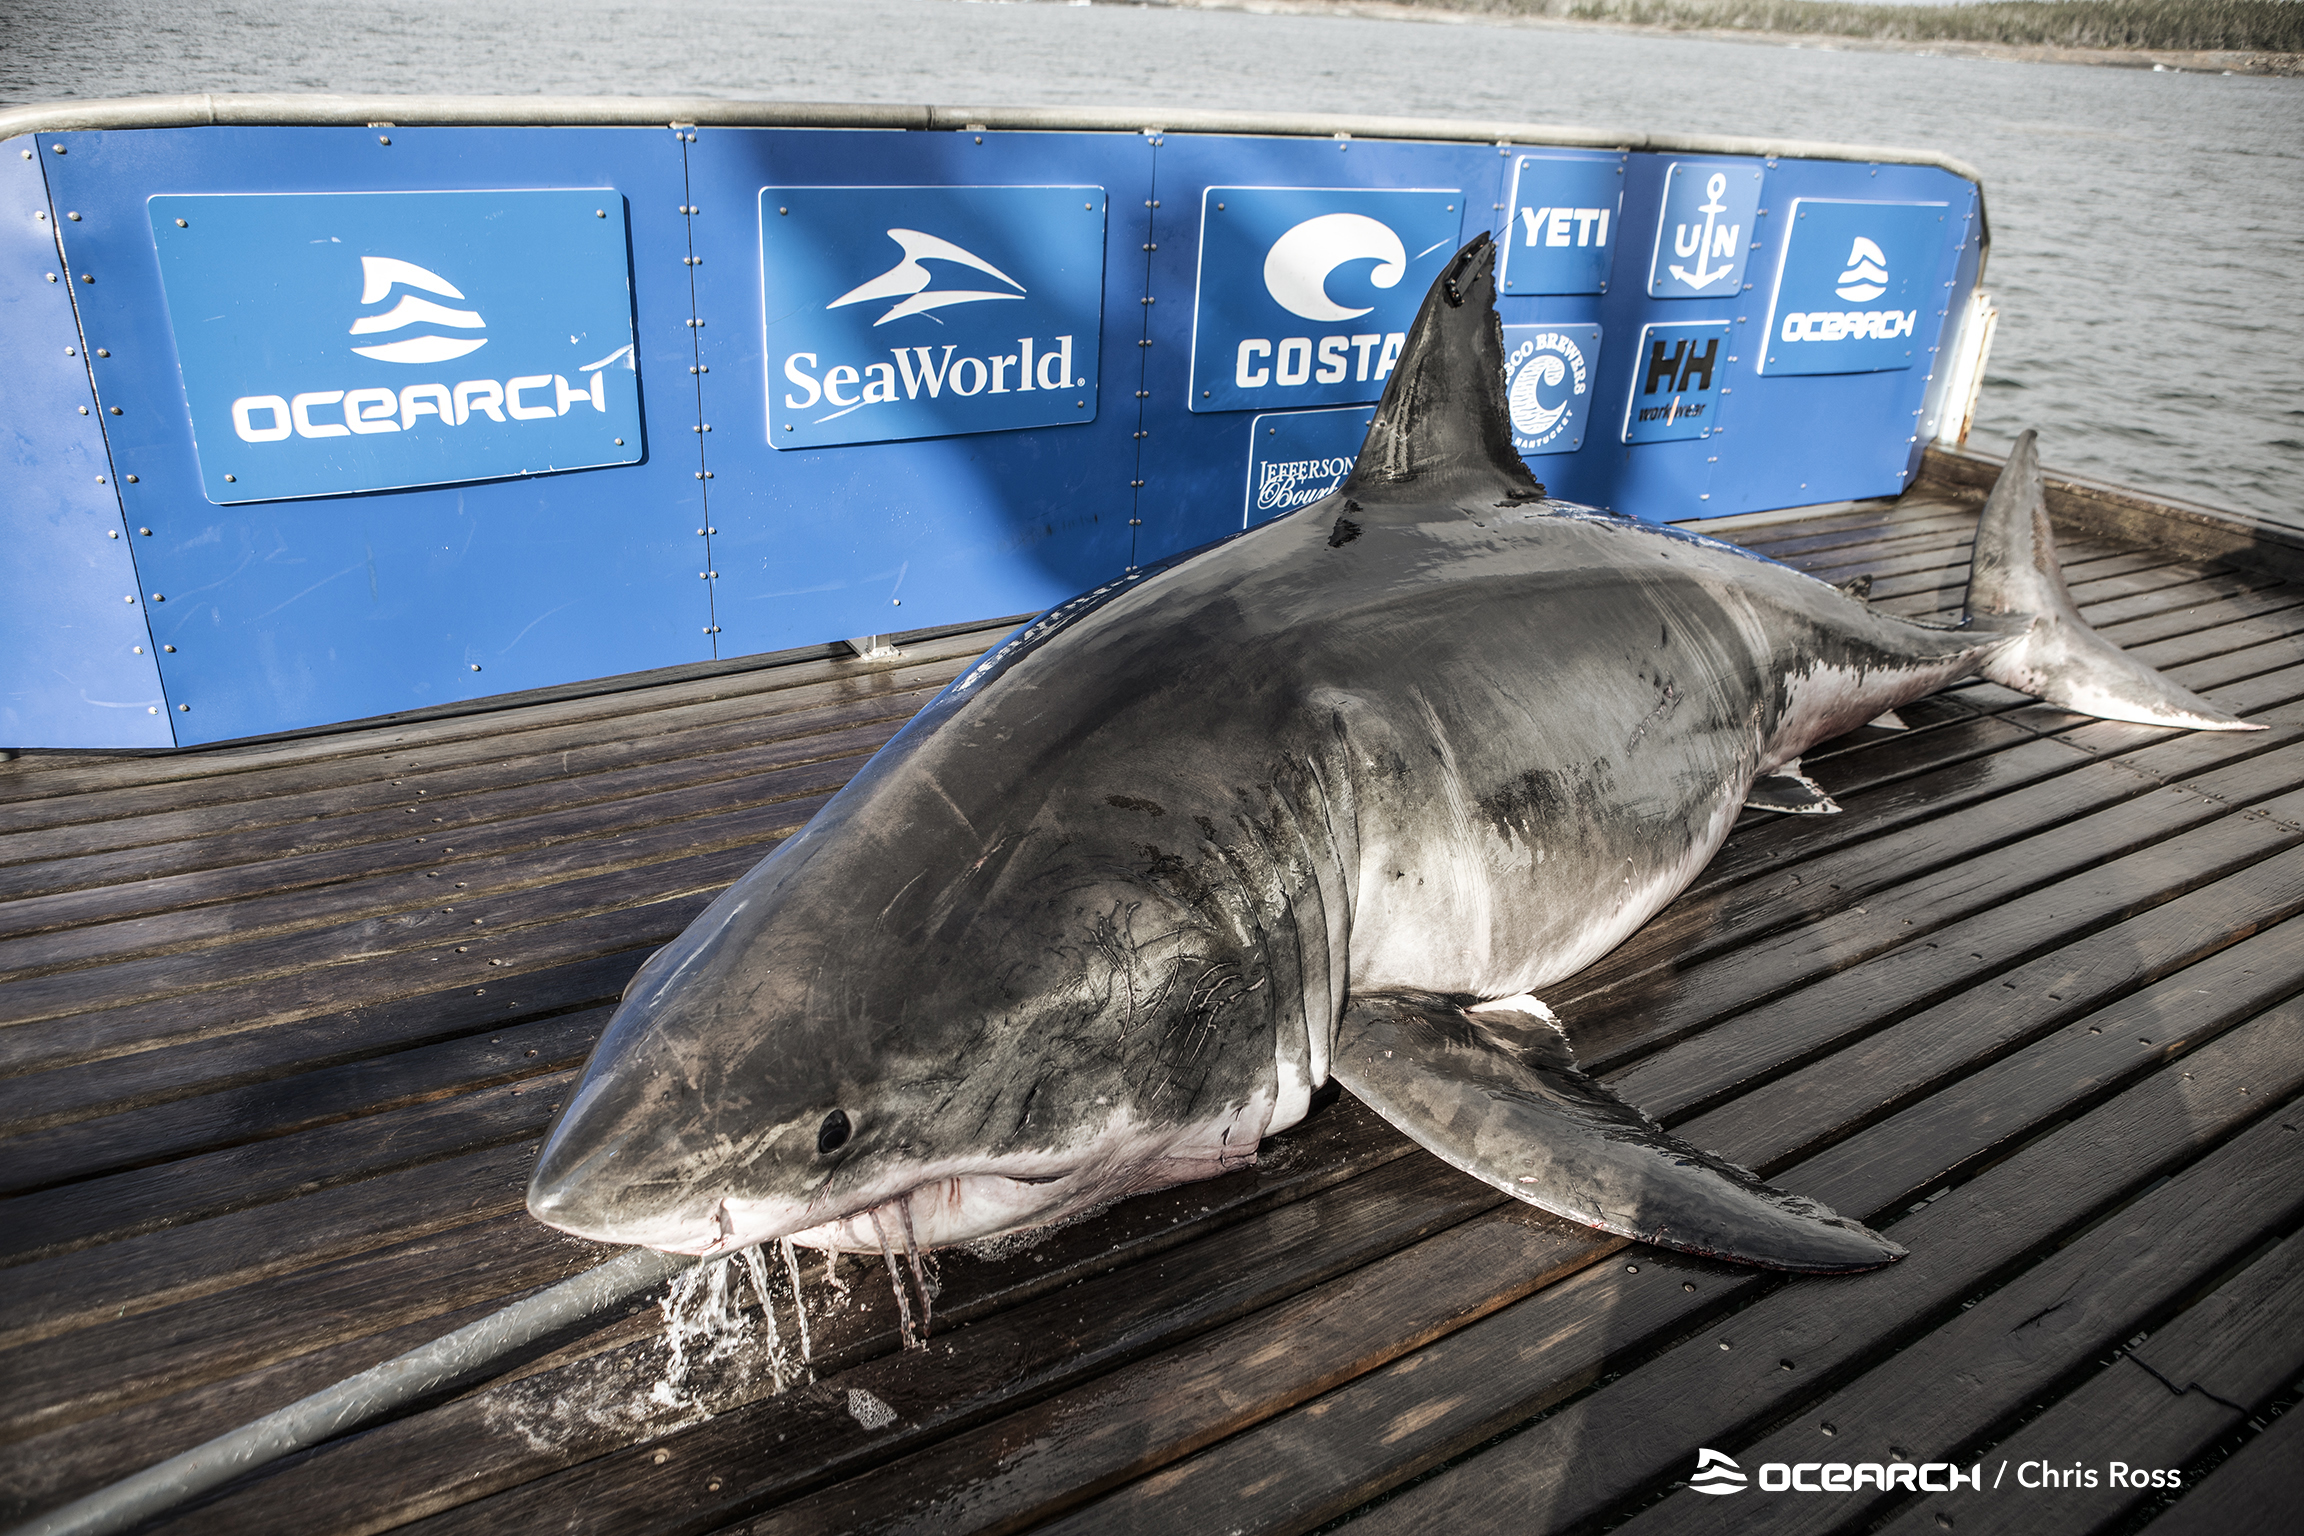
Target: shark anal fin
x,y
1791,792
1518,1114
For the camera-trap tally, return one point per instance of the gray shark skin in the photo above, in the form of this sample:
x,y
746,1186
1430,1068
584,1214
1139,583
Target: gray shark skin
x,y
1329,799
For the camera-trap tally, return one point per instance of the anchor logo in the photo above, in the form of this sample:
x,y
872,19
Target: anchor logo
x,y
1713,239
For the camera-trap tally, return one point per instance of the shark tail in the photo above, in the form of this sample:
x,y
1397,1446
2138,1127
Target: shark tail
x,y
2015,584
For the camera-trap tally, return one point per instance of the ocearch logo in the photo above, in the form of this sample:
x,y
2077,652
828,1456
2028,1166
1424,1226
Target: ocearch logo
x,y
378,409
1717,1473
1867,275
379,276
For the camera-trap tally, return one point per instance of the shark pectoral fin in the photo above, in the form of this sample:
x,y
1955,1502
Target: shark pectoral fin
x,y
1790,791
1516,1112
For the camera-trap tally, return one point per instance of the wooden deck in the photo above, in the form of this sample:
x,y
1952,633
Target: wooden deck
x,y
284,1021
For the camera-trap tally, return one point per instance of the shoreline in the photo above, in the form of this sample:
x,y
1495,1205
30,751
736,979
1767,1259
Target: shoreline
x,y
2175,60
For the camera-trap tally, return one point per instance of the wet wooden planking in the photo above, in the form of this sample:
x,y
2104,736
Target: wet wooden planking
x,y
268,1107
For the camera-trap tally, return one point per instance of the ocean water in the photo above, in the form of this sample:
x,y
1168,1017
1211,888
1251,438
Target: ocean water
x,y
2148,229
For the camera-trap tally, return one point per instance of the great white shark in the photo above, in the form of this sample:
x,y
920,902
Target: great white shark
x,y
1329,800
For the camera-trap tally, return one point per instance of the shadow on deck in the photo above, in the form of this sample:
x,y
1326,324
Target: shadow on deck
x,y
281,1024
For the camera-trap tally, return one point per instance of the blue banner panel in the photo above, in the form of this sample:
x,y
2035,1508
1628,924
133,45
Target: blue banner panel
x,y
340,342
1549,371
951,502
1704,235
1297,457
1305,294
1565,216
1679,381
901,312
1850,285
78,668
291,613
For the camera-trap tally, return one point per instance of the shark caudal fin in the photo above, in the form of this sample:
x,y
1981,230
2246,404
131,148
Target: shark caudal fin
x,y
1443,432
2057,658
1514,1110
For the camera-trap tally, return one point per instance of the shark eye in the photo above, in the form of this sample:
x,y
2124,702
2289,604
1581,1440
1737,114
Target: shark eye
x,y
832,1132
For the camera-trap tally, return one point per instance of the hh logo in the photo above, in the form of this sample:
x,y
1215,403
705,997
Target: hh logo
x,y
1716,1472
1548,372
1679,379
1705,231
298,390
985,320
1856,283
1562,234
1306,294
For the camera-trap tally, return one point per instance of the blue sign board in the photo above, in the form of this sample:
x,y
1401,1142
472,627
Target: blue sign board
x,y
1305,294
1561,236
903,312
1851,287
340,342
1679,378
1549,371
1297,457
1705,232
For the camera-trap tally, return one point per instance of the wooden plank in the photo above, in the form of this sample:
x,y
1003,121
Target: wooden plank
x,y
1791,542
1591,1455
1816,1105
724,852
1038,1463
36,1102
2254,1493
237,904
1908,946
116,1363
116,785
289,1169
1989,1361
1171,1255
80,1290
518,1054
595,801
2157,1408
1911,946
1904,838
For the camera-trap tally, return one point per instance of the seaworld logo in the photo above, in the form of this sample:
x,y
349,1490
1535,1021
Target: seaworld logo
x,y
860,349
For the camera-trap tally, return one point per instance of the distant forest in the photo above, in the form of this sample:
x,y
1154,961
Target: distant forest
x,y
2253,26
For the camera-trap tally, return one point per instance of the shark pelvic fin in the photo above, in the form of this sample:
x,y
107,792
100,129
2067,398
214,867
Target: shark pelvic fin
x,y
1791,792
2014,577
1443,431
1516,1112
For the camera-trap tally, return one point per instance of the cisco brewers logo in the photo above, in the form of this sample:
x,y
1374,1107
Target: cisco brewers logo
x,y
1849,294
332,377
1305,295
1548,384
985,320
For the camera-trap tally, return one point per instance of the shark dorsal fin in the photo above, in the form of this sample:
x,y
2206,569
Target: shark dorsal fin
x,y
1442,432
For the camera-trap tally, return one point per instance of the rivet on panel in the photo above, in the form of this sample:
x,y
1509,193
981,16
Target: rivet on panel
x,y
475,666
75,218
183,224
87,277
103,352
186,708
171,650
383,138
231,479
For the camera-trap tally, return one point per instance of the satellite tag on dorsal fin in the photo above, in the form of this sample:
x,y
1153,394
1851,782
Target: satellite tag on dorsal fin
x,y
1442,433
